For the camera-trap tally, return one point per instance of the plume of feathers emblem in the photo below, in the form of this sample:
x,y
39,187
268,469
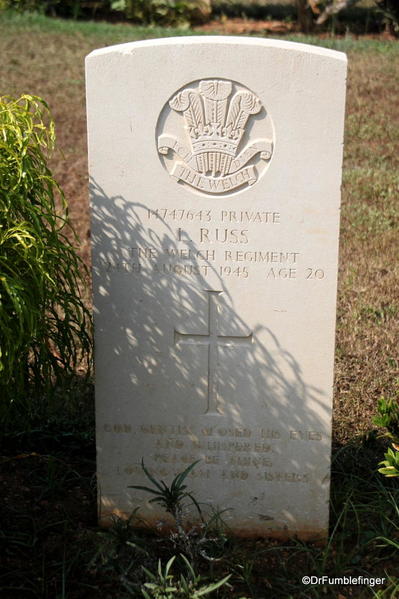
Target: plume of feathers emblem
x,y
215,126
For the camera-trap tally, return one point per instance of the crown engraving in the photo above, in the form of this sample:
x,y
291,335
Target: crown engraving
x,y
215,121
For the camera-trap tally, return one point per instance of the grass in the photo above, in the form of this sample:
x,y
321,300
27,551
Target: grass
x,y
49,541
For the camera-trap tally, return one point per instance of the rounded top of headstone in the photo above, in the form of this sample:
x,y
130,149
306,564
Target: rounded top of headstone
x,y
207,40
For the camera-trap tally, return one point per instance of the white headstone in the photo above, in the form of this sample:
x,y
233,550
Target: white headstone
x,y
215,167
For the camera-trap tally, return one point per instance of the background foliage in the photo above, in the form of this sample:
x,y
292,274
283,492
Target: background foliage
x,y
360,16
160,12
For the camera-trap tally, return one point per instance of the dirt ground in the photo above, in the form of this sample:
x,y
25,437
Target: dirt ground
x,y
238,26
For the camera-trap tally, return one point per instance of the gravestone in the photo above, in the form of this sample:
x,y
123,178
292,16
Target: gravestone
x,y
215,170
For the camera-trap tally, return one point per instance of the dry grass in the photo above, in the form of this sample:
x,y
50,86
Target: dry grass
x,y
367,363
47,58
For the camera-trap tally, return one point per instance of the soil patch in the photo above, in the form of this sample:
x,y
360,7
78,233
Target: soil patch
x,y
246,26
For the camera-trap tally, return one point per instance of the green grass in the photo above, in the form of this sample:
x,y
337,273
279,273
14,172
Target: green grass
x,y
107,33
37,23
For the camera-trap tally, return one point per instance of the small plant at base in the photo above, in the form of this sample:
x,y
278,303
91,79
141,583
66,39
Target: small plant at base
x,y
164,586
171,498
118,548
205,539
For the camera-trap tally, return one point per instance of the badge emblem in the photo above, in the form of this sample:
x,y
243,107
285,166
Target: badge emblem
x,y
210,136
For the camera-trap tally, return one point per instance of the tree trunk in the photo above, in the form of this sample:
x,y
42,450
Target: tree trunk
x,y
304,16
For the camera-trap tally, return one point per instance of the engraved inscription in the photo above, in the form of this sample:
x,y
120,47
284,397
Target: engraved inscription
x,y
181,260
222,242
226,453
306,436
209,139
226,243
212,340
225,216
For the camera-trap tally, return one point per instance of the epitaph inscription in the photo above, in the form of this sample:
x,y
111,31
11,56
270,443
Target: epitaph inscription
x,y
218,151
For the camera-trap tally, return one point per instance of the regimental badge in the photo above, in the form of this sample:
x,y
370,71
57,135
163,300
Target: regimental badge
x,y
215,136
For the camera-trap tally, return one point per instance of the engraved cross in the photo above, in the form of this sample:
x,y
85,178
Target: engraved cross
x,y
213,340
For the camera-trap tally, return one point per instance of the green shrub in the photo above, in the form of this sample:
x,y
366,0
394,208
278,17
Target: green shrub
x,y
44,325
388,418
163,12
390,466
61,8
144,12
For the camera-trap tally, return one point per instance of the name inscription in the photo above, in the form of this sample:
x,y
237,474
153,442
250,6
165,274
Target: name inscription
x,y
198,249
